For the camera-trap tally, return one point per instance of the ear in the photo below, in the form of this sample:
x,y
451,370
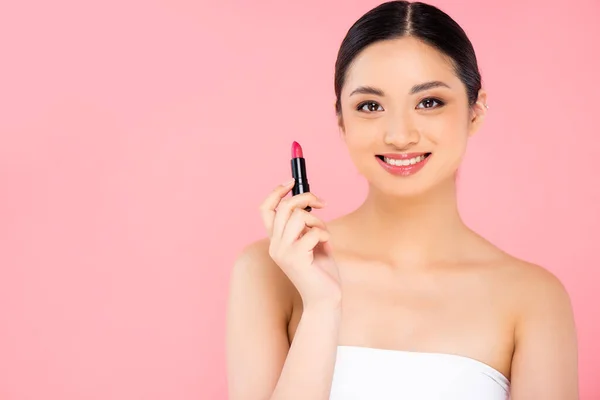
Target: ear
x,y
478,112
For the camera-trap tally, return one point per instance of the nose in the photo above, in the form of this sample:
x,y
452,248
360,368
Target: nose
x,y
401,132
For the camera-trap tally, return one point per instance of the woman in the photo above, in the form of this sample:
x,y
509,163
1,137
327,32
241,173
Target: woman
x,y
398,299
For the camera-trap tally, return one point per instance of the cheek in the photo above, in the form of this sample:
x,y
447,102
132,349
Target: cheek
x,y
361,142
362,135
450,138
449,132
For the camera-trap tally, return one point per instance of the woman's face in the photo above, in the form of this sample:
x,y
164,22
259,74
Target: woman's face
x,y
400,97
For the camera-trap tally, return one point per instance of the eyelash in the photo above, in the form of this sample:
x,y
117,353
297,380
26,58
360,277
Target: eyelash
x,y
440,102
370,102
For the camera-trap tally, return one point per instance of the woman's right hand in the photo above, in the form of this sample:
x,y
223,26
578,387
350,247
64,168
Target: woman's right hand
x,y
299,244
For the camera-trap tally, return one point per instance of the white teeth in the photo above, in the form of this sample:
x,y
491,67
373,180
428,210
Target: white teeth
x,y
405,162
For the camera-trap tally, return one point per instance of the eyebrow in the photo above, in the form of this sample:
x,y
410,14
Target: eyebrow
x,y
415,89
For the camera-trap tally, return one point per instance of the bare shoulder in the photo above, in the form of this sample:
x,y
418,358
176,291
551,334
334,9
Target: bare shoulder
x,y
521,282
254,259
545,359
255,267
540,303
254,252
534,286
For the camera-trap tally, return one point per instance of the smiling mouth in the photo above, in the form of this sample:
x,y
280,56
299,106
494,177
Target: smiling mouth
x,y
403,162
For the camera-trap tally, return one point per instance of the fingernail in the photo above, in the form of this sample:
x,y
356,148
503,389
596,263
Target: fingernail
x,y
288,183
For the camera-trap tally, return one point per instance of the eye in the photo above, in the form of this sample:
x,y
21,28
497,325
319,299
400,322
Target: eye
x,y
369,106
430,103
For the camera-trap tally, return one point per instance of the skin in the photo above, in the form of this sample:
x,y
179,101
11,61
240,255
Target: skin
x,y
402,271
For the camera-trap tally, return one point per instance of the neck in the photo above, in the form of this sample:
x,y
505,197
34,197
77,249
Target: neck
x,y
412,230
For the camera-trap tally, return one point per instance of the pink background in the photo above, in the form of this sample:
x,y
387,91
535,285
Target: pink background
x,y
139,137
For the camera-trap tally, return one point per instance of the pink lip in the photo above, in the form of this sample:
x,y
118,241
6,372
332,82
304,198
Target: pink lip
x,y
403,170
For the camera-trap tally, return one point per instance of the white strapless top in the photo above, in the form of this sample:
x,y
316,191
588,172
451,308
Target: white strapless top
x,y
363,373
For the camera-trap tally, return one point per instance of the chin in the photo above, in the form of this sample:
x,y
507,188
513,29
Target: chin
x,y
403,189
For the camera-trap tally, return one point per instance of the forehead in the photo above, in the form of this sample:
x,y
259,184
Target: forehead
x,y
399,64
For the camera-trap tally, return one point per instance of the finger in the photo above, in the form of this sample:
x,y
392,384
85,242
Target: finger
x,y
268,206
313,237
298,223
285,208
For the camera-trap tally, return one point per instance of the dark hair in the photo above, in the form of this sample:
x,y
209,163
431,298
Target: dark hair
x,y
395,19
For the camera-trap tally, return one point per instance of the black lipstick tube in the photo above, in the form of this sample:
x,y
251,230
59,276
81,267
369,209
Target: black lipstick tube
x,y
301,180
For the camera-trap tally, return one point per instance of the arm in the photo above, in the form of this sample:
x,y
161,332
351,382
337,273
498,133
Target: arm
x,y
545,359
261,364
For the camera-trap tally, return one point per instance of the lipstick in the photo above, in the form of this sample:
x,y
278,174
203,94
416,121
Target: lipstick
x,y
299,172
